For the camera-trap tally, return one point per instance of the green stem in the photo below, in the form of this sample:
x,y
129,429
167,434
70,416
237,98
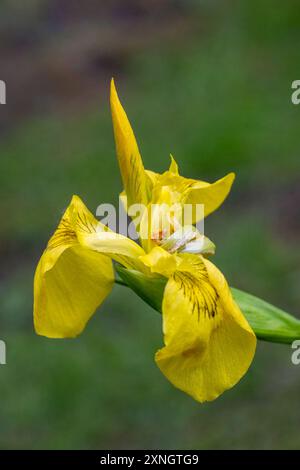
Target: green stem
x,y
268,322
121,283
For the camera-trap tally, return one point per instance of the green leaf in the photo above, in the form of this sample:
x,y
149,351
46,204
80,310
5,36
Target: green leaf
x,y
268,322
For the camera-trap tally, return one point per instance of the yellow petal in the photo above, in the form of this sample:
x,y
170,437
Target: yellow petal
x,y
96,236
209,345
123,199
160,261
130,161
67,295
118,247
152,177
75,273
210,195
71,281
190,191
163,215
173,166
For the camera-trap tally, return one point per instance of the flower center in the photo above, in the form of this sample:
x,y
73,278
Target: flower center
x,y
178,239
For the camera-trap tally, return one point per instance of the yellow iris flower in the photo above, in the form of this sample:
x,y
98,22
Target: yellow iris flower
x,y
208,344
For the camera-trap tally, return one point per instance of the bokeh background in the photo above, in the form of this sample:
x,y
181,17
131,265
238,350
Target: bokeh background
x,y
210,82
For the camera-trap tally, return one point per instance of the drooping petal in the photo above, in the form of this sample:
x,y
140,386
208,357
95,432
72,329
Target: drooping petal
x,y
117,246
209,345
131,166
75,272
71,281
67,295
94,235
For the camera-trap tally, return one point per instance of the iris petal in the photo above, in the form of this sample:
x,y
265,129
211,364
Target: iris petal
x,y
75,272
210,195
71,281
209,345
131,166
67,295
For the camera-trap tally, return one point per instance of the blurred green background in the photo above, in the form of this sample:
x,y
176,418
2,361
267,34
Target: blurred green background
x,y
210,82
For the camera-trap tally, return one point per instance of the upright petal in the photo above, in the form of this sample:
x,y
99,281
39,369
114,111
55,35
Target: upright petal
x,y
173,166
210,195
190,191
131,166
209,345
